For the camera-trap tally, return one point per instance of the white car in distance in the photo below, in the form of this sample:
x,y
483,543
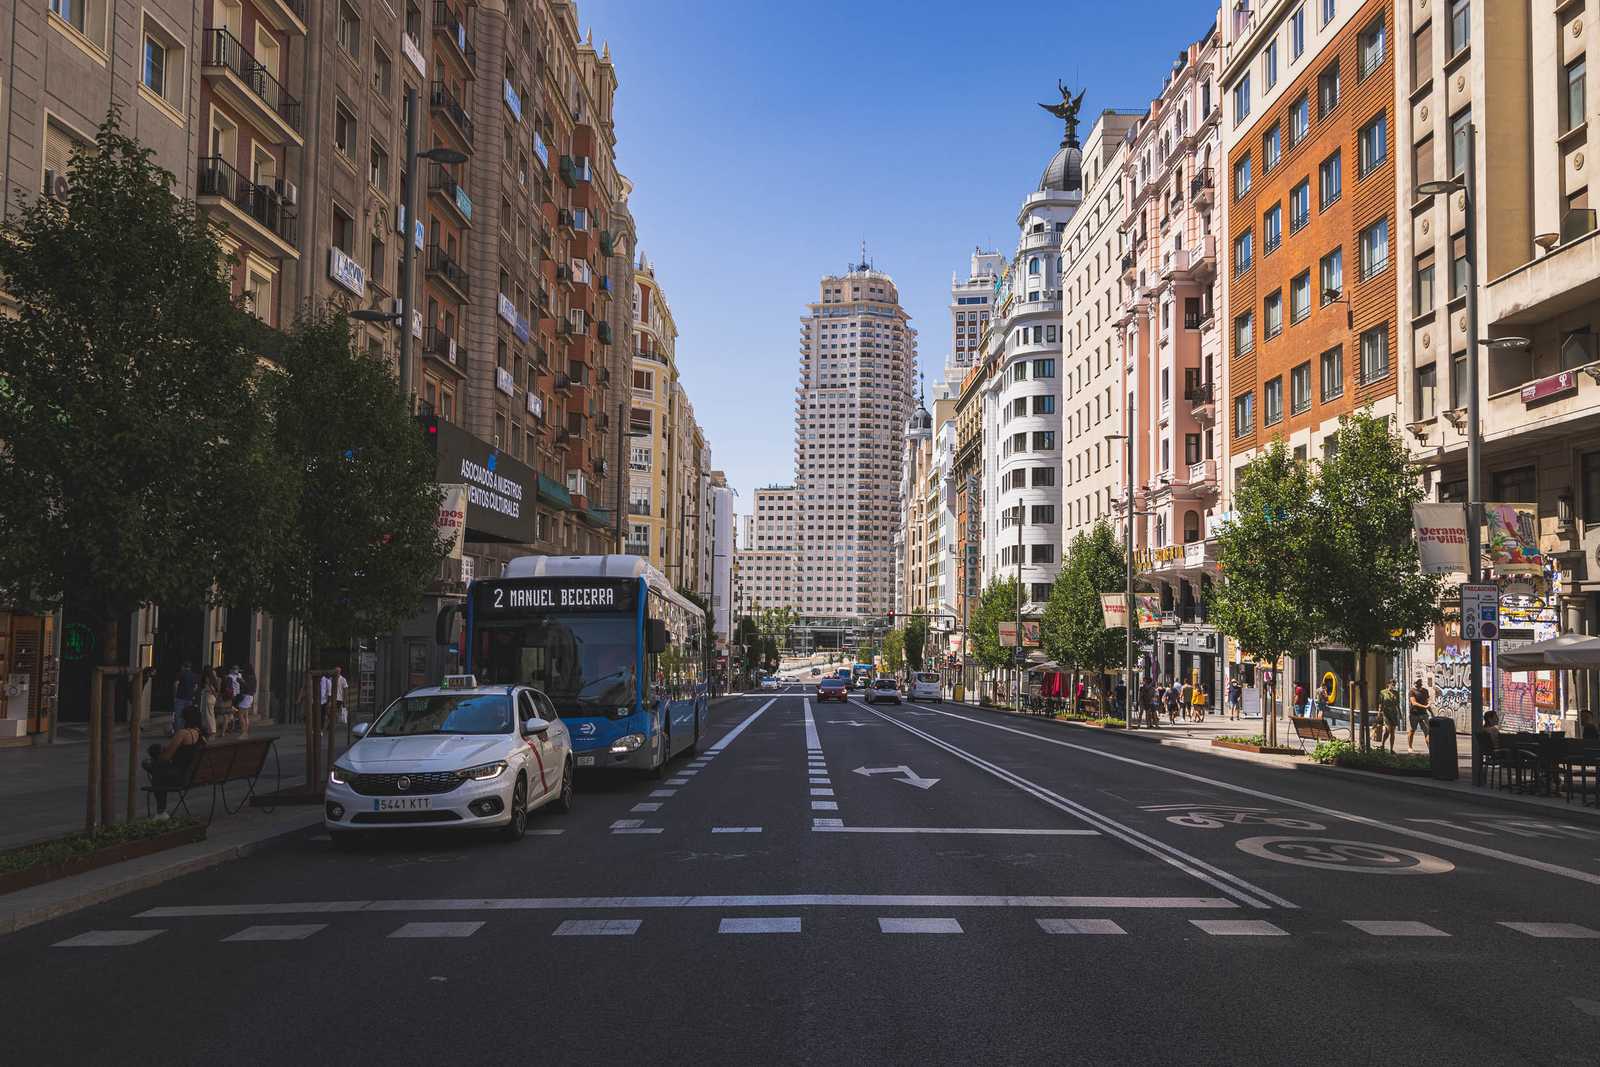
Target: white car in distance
x,y
458,755
926,685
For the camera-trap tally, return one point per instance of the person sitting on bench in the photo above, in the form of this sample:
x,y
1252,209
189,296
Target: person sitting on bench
x,y
169,764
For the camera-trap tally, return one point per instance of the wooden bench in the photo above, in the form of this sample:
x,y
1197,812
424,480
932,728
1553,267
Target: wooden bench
x,y
1308,729
216,766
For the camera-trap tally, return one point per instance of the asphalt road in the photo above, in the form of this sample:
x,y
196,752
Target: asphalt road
x,y
997,891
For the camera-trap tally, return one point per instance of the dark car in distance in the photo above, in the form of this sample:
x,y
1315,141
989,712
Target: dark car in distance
x,y
833,689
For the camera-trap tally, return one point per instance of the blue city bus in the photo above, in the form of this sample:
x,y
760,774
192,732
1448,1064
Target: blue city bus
x,y
621,654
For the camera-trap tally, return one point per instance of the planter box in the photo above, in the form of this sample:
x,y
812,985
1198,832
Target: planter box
x,y
1271,750
127,850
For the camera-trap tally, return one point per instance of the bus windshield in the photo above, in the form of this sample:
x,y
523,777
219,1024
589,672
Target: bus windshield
x,y
586,664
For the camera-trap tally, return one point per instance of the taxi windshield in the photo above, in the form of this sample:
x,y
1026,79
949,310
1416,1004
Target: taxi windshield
x,y
445,713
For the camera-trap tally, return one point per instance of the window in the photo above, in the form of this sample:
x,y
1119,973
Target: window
x,y
1271,149
1374,354
1328,90
1370,48
344,230
1458,267
1427,392
382,71
1330,275
1374,248
1043,476
1244,414
1272,402
1422,286
1460,124
1460,25
1573,104
1332,373
1373,144
1044,440
1243,252
1044,368
1328,11
1241,100
1300,388
1300,297
1422,161
1299,120
1422,57
1297,33
155,66
1272,315
1459,386
344,130
1019,371
1043,514
1269,64
378,169
1330,181
1300,205
1033,265
1241,177
350,31
1272,229
1244,335
375,257
1041,553
1577,349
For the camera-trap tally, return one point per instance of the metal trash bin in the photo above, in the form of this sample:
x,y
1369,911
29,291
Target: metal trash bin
x,y
1442,759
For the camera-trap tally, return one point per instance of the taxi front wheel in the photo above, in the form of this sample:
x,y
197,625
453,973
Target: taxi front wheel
x,y
517,828
562,804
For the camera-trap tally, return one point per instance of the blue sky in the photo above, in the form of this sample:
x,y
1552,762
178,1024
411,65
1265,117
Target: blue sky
x,y
766,139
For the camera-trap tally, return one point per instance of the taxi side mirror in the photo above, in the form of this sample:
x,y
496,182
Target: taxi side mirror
x,y
655,637
358,730
535,726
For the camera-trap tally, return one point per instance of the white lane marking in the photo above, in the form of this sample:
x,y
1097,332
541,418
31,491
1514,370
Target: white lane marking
x,y
736,829
626,824
813,742
786,925
597,928
1080,926
283,932
688,772
822,792
1395,928
1552,929
1239,928
107,938
1332,813
919,926
1001,830
416,930
825,824
789,900
1238,888
677,781
819,781
824,805
645,807
910,777
638,830
727,738
545,833
663,792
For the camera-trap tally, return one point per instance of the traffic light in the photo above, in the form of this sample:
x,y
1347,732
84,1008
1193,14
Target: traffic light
x,y
430,429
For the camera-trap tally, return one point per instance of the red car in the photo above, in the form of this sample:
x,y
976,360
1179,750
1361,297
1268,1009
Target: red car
x,y
833,689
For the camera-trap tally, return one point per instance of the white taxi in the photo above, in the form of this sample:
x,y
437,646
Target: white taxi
x,y
458,755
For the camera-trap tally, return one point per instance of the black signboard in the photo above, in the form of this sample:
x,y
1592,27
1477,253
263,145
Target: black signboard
x,y
516,597
500,490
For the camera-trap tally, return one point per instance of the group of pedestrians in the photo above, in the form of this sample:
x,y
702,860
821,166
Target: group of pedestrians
x,y
223,701
1188,701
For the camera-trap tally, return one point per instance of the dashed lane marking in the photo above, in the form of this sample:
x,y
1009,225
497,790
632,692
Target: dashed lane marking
x,y
1239,928
638,830
107,938
626,824
598,928
283,932
786,925
919,926
736,829
840,828
645,807
422,930
1395,928
1080,926
824,805
663,792
822,792
1552,929
677,781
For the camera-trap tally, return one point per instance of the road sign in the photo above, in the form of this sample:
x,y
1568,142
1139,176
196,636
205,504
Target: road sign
x,y
1480,612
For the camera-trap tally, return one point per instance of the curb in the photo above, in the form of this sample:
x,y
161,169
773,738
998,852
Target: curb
x,y
1483,798
14,919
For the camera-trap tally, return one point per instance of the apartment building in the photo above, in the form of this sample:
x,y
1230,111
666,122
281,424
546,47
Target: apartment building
x,y
910,541
966,474
768,560
971,303
722,557
1503,88
655,341
1175,356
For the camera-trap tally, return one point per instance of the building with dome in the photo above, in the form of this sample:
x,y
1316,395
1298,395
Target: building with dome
x,y
911,575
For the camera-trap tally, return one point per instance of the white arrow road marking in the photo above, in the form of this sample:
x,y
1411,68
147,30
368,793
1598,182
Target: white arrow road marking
x,y
847,722
911,776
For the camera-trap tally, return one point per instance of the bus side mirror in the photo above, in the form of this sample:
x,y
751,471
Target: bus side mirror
x,y
444,626
655,636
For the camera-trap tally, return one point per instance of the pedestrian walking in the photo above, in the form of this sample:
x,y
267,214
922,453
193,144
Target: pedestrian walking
x,y
183,693
1186,699
246,701
1173,695
232,684
1388,714
1202,701
332,696
1299,700
207,692
1420,704
1235,699
1119,699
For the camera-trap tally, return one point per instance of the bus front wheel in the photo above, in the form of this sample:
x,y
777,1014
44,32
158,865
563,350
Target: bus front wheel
x,y
660,769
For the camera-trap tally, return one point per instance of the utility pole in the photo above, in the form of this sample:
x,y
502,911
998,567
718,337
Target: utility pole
x,y
1131,700
1474,440
1020,656
408,248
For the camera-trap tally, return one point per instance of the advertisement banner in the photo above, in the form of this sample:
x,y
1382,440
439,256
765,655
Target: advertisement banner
x,y
1114,607
1149,607
1511,538
1441,537
1030,633
453,516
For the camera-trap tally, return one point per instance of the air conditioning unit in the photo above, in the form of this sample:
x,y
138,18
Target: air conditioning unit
x,y
391,305
56,184
577,485
287,191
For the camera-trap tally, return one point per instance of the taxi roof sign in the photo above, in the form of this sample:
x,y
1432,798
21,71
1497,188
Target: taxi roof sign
x,y
459,681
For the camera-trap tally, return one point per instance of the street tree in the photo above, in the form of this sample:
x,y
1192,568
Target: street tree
x,y
916,641
1073,629
1265,552
1371,589
998,604
894,651
770,656
137,462
775,622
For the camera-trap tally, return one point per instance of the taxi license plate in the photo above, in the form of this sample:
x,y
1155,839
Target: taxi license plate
x,y
586,761
402,803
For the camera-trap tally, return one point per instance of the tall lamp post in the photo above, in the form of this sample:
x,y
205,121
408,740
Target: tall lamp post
x,y
1466,184
408,248
1129,673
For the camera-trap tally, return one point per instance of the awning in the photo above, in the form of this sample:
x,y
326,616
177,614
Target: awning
x,y
554,492
1569,652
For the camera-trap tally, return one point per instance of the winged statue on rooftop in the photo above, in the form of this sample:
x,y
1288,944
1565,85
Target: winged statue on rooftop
x,y
1067,109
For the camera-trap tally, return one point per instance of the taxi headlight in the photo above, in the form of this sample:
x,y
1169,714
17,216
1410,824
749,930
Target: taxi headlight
x,y
483,772
340,775
628,743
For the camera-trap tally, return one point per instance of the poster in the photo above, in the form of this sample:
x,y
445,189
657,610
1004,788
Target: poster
x,y
1149,606
452,522
1441,537
1511,538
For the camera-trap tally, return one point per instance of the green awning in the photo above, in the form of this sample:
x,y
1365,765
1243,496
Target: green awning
x,y
554,492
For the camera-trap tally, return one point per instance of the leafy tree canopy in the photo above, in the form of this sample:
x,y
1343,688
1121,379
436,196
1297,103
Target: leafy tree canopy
x,y
998,604
1073,628
916,641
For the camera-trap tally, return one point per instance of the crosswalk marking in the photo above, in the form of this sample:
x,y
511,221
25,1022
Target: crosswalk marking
x,y
626,824
281,932
736,829
818,792
1395,928
645,807
1552,929
822,824
418,930
919,926
663,792
1080,926
787,925
1239,928
824,805
677,781
107,938
637,830
598,927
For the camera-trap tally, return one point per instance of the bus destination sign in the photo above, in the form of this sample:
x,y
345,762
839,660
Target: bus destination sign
x,y
518,596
